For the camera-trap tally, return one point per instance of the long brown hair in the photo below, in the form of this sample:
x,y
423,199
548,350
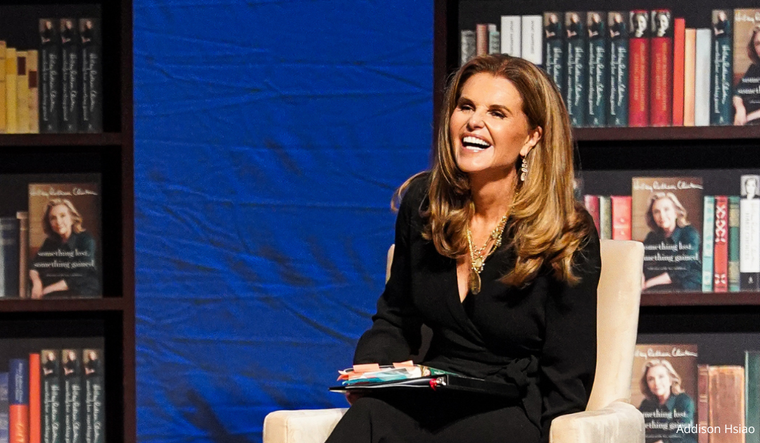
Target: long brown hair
x,y
546,225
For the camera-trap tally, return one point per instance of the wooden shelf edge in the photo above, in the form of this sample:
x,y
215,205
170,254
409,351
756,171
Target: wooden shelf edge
x,y
701,299
667,133
65,305
103,139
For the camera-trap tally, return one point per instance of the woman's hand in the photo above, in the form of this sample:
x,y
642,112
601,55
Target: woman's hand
x,y
351,397
741,112
37,290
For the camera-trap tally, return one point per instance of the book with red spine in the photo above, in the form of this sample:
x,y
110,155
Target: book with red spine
x,y
661,68
35,406
481,39
592,206
720,256
621,217
638,86
679,46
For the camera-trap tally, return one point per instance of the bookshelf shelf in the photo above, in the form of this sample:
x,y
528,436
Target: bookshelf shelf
x,y
104,139
63,305
668,133
701,299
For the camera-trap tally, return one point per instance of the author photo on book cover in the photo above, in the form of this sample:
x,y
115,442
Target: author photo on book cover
x,y
496,257
747,91
666,406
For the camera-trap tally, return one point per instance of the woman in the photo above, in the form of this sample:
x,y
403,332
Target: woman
x,y
495,256
671,237
65,263
747,97
665,406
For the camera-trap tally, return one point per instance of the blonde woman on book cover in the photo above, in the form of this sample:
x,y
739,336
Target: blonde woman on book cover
x,y
666,407
497,258
747,97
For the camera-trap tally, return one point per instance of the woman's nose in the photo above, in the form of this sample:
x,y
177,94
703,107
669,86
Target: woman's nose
x,y
475,121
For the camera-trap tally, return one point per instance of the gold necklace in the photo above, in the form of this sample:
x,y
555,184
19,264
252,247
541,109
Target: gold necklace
x,y
478,257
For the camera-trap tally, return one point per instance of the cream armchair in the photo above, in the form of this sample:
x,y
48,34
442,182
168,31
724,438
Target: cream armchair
x,y
608,417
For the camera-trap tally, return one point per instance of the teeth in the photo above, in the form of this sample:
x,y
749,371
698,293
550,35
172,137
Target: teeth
x,y
475,141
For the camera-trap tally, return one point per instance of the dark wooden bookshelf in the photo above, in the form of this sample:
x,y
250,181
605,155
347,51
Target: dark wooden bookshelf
x,y
675,133
111,318
700,299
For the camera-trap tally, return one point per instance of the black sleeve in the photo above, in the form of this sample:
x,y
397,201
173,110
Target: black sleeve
x,y
84,280
691,276
568,360
395,332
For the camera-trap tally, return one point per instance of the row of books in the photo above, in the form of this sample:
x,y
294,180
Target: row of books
x,y
53,396
637,68
692,242
52,249
685,401
56,87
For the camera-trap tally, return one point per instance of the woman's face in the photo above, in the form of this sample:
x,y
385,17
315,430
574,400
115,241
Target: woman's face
x,y
641,22
488,127
60,220
756,43
664,214
662,21
659,382
751,187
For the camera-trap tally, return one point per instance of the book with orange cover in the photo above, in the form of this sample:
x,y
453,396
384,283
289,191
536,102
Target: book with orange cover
x,y
35,407
720,254
689,73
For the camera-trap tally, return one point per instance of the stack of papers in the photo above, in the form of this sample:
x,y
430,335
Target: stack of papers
x,y
374,373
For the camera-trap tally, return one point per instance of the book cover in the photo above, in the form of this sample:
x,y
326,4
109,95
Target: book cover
x,y
726,403
661,69
554,48
752,394
50,76
598,67
733,244
746,69
532,39
3,99
73,402
679,42
708,232
11,91
32,61
4,407
23,248
702,78
22,93
720,254
481,39
511,33
94,396
690,67
617,22
591,202
18,410
605,217
621,217
638,80
35,408
51,396
9,256
667,218
64,240
664,388
749,233
576,63
721,90
70,76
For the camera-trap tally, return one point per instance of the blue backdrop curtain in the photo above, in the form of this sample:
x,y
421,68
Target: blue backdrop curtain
x,y
269,137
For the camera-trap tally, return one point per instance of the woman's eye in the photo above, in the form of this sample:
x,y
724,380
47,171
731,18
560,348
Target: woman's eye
x,y
498,114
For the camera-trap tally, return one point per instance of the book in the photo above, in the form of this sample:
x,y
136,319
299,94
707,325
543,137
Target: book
x,y
605,217
554,48
638,80
532,39
679,42
23,248
71,89
576,67
708,231
591,202
3,92
35,408
467,47
749,233
746,66
94,396
664,388
733,244
621,217
22,93
752,394
4,407
703,408
481,39
689,69
73,402
92,75
64,240
721,90
511,33
667,218
32,62
9,256
50,77
617,23
702,78
18,391
661,69
494,39
51,396
598,67
11,91
726,403
720,254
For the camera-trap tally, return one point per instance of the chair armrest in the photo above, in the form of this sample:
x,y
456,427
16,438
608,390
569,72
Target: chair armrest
x,y
301,426
619,422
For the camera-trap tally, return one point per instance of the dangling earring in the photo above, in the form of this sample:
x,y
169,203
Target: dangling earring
x,y
524,169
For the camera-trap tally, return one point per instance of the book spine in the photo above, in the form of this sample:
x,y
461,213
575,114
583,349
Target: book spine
x,y
605,217
32,61
71,94
621,217
3,98
703,409
494,39
638,108
95,396
749,238
22,93
23,248
679,42
72,395
51,396
511,34
4,407
554,64
577,65
661,69
598,67
481,39
720,267
532,41
50,77
690,60
35,410
733,244
721,93
708,236
591,202
18,413
92,75
466,53
9,253
11,91
702,79
726,403
619,69
752,394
